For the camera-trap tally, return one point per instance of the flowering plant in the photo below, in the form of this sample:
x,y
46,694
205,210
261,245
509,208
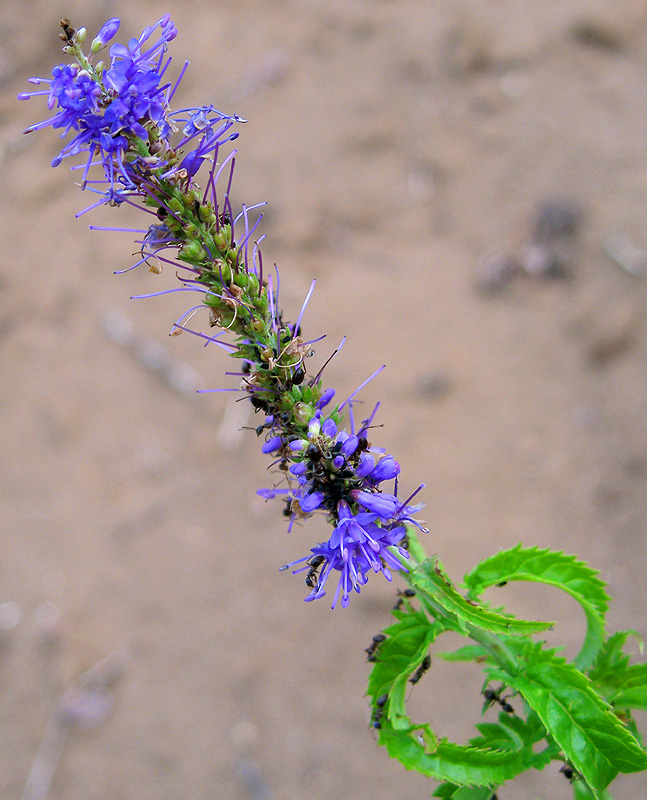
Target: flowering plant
x,y
177,167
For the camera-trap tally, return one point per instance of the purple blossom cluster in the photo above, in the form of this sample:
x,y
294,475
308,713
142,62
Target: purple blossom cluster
x,y
120,117
109,106
116,109
336,472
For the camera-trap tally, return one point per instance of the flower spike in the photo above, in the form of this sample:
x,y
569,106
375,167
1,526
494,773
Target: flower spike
x,y
178,167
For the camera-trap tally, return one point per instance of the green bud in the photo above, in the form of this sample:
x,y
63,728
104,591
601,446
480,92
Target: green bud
x,y
241,279
175,205
295,391
252,284
262,304
303,412
226,274
193,252
79,36
205,213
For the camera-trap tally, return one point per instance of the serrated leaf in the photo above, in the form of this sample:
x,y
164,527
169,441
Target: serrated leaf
x,y
449,791
582,792
458,764
557,569
430,578
626,688
398,656
470,652
495,736
406,640
621,683
445,791
611,655
472,793
596,743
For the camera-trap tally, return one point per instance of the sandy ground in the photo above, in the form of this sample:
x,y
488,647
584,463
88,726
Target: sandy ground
x,y
405,148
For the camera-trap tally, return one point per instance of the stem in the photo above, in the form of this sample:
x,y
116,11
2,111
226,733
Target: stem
x,y
495,646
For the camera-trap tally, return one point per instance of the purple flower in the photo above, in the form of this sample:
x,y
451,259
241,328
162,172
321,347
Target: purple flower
x,y
384,505
107,110
119,117
386,469
336,474
356,547
325,398
274,444
107,32
311,501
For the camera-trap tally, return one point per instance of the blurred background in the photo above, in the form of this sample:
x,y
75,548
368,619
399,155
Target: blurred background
x,y
467,181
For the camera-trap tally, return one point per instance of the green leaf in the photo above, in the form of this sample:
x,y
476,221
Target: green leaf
x,y
625,688
558,569
526,733
622,684
596,743
611,655
473,793
445,791
495,736
449,791
471,652
430,578
582,792
397,657
458,764
633,692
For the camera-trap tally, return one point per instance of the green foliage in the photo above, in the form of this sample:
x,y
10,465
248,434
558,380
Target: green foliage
x,y
431,579
590,735
450,791
621,684
471,652
558,569
577,713
464,765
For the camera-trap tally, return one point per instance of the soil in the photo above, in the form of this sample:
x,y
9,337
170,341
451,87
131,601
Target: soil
x,y
467,182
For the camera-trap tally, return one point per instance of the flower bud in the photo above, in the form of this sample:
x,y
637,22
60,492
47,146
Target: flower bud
x,y
274,444
303,412
329,428
106,33
325,398
382,505
252,283
193,252
386,469
311,501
